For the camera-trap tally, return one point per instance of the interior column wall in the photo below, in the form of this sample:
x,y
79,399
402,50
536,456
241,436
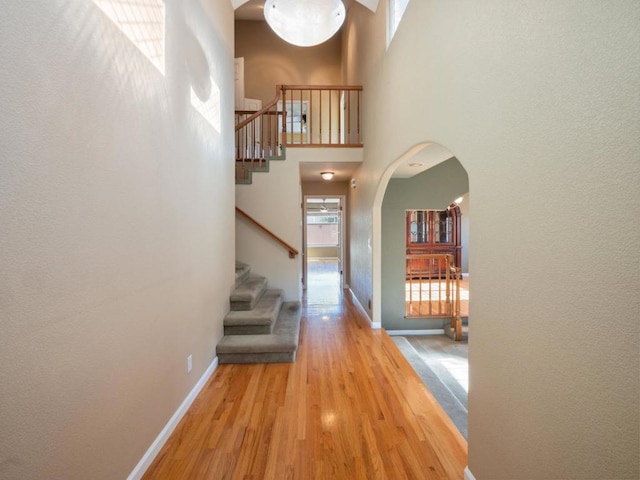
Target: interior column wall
x,y
116,206
539,102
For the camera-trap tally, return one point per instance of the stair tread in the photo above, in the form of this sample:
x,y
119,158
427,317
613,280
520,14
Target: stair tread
x,y
284,338
242,272
246,295
265,311
449,332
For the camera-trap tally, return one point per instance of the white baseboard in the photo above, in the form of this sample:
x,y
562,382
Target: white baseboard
x,y
164,435
363,311
468,475
435,331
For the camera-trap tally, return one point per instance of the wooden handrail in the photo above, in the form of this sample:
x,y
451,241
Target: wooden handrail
x,y
292,251
257,114
320,87
307,116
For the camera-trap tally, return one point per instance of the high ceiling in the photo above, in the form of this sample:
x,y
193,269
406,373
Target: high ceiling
x,y
252,9
416,163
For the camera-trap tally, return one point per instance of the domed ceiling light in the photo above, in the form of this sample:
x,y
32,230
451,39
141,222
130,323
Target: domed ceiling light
x,y
304,23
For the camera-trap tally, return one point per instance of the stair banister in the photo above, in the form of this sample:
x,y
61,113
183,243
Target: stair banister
x,y
260,112
292,251
310,116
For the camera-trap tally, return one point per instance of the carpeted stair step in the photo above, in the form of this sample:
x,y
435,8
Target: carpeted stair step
x,y
259,320
277,347
450,332
246,295
242,273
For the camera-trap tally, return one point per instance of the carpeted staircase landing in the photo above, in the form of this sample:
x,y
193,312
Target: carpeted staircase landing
x,y
261,327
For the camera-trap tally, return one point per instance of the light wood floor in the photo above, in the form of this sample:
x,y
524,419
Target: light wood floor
x,y
350,407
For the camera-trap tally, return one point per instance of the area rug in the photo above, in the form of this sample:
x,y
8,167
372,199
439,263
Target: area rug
x,y
440,386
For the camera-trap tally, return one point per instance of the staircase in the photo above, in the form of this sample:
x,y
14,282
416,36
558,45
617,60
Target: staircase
x,y
290,120
245,168
261,327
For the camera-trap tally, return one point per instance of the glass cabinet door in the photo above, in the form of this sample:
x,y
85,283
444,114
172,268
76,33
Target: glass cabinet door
x,y
419,226
431,232
443,227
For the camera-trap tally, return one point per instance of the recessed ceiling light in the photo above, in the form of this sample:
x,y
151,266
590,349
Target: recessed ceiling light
x,y
415,164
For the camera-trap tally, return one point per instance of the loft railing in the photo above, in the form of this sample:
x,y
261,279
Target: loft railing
x,y
298,116
292,251
433,289
322,115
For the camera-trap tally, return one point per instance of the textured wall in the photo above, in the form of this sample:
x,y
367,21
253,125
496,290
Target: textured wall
x,y
539,101
116,214
270,61
274,200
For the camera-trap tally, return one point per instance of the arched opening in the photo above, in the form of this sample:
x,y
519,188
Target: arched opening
x,y
429,185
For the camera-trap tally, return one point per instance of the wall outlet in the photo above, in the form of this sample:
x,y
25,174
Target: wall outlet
x,y
189,363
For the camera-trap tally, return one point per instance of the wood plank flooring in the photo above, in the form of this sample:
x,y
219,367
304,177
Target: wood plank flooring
x,y
350,407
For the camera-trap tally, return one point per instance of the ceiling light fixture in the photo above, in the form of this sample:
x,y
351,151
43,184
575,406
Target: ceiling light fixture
x,y
327,175
304,23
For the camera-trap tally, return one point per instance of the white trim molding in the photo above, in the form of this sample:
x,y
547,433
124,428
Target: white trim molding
x,y
467,474
374,325
164,435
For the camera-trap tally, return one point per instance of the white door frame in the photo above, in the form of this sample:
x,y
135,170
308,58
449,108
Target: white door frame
x,y
342,202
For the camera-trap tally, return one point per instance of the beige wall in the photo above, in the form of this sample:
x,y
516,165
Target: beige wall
x,y
116,206
269,61
539,102
274,200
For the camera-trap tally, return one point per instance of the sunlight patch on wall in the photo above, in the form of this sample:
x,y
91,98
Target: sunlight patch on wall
x,y
142,22
395,13
210,108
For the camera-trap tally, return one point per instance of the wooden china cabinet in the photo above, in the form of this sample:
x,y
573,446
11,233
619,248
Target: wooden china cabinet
x,y
432,231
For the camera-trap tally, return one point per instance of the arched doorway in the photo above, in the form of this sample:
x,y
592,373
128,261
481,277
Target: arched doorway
x,y
433,189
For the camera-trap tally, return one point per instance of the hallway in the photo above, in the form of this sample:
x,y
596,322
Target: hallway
x,y
350,407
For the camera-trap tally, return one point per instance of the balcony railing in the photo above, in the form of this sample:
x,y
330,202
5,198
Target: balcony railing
x,y
298,116
433,289
322,116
